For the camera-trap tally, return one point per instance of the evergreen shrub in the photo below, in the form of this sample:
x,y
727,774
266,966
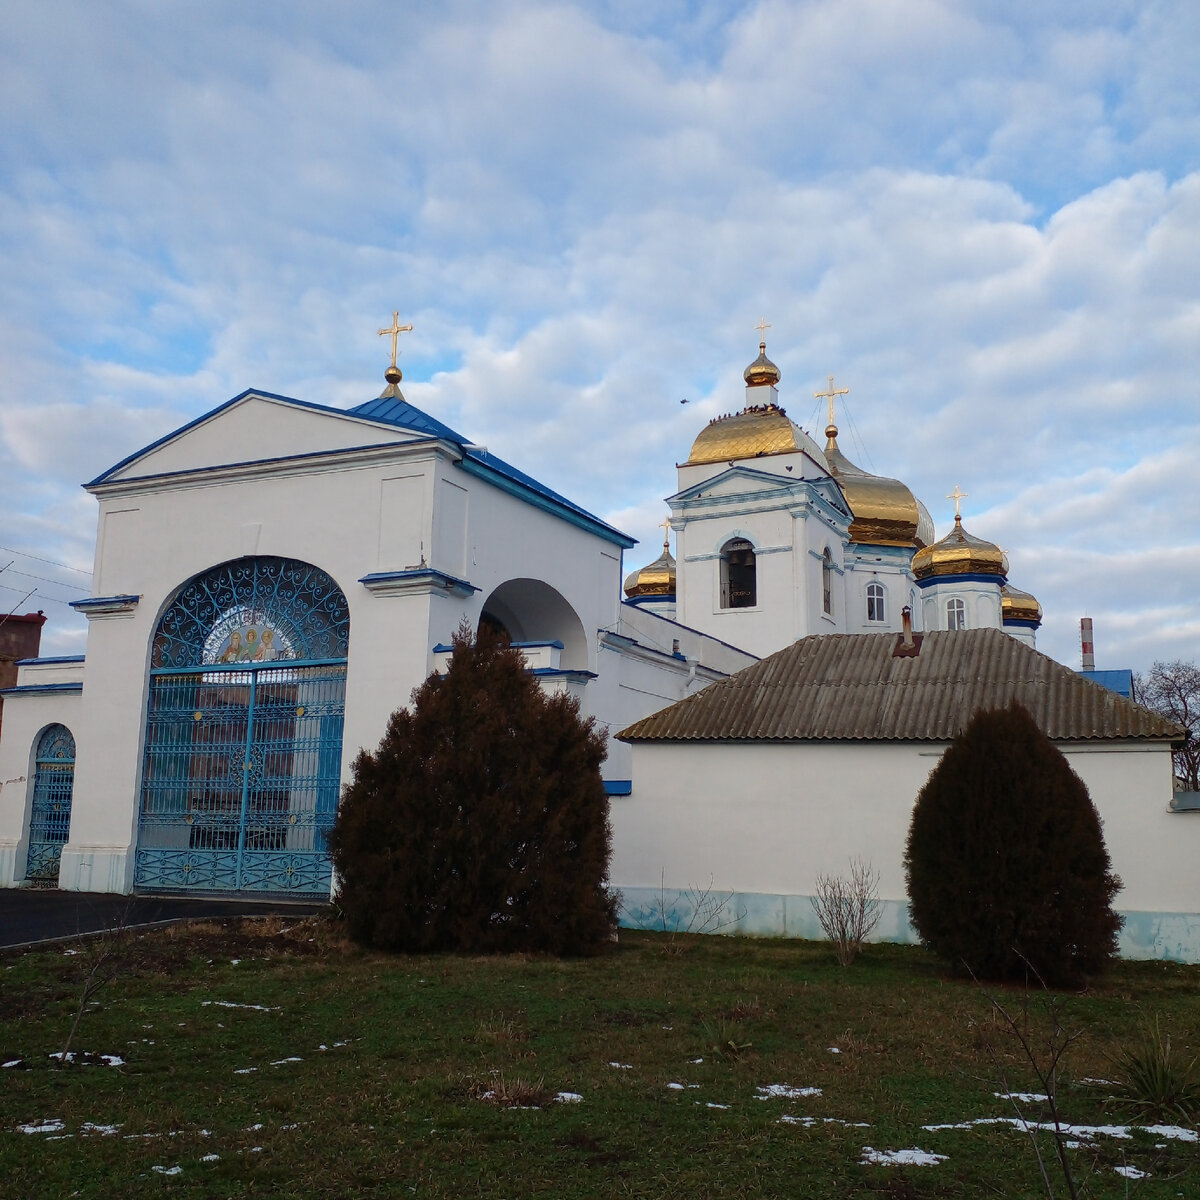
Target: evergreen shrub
x,y
1006,865
480,824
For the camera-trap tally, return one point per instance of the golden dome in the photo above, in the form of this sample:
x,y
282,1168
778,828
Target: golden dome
x,y
753,432
656,579
960,553
1016,605
885,512
762,370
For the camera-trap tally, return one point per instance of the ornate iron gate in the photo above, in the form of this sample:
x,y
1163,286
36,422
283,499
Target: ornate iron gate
x,y
50,821
244,741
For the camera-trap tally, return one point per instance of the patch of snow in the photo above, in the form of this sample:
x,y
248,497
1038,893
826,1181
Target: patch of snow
x,y
86,1058
211,1158
620,1066
834,1050
245,1070
1023,1097
693,1061
233,962
809,1122
675,1087
293,1125
16,1062
254,1128
66,953
1131,1172
255,1149
168,1170
899,1158
1084,1132
710,1104
568,1097
231,1004
1174,1133
102,1130
52,1125
1098,1082
785,1091
279,1062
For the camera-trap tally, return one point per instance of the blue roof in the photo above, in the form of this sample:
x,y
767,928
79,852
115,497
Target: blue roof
x,y
390,410
1119,681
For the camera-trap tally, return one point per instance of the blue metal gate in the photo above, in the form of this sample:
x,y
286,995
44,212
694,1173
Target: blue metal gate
x,y
50,821
244,732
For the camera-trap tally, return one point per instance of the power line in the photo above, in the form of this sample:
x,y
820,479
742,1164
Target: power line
x,y
49,561
75,587
53,599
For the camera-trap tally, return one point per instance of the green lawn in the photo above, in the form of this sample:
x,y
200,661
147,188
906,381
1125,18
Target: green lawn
x,y
366,1075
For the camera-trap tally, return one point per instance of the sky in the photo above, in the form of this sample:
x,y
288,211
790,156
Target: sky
x,y
982,217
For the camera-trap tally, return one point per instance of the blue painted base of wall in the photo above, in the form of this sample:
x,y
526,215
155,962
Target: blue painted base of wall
x,y
1171,936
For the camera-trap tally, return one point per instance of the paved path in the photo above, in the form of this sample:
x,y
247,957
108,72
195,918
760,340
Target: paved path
x,y
30,915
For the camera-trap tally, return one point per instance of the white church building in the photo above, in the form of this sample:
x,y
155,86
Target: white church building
x,y
273,579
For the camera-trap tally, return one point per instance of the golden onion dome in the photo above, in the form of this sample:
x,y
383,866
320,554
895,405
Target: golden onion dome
x,y
754,432
655,579
960,553
885,512
762,370
1016,605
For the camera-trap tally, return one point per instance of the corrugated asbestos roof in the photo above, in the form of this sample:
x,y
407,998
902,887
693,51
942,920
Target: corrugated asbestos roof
x,y
854,687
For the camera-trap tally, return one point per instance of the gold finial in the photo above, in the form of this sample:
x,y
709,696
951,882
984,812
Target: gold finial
x,y
957,496
762,328
831,428
665,526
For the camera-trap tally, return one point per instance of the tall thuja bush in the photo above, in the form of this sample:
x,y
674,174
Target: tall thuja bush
x,y
1006,864
481,822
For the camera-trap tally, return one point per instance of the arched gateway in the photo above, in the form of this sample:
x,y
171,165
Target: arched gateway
x,y
244,731
50,820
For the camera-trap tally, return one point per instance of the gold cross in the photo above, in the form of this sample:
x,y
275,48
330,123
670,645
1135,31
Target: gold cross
x,y
956,496
762,328
829,395
665,526
396,330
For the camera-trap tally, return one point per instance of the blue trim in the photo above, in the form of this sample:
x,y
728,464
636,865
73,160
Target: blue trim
x,y
998,580
276,664
661,598
508,479
33,689
402,415
62,658
104,602
307,456
1023,624
563,672
555,644
212,412
618,787
441,578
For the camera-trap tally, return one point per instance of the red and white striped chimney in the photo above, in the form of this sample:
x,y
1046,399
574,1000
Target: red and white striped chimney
x,y
1086,643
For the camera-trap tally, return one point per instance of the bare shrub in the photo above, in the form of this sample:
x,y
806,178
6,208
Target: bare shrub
x,y
848,908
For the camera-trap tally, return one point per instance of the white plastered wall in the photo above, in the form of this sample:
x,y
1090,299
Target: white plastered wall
x,y
761,822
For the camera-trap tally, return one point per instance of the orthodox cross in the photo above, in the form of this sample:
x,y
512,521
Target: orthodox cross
x,y
829,395
957,496
665,526
395,331
762,328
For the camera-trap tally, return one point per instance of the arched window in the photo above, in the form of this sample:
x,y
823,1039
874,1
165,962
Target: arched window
x,y
876,606
739,584
827,582
956,614
244,731
50,821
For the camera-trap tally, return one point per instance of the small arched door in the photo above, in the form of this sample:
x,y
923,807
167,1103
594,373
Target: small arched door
x,y
50,821
244,732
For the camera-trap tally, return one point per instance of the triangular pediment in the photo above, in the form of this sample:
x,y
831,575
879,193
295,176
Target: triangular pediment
x,y
741,481
255,427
